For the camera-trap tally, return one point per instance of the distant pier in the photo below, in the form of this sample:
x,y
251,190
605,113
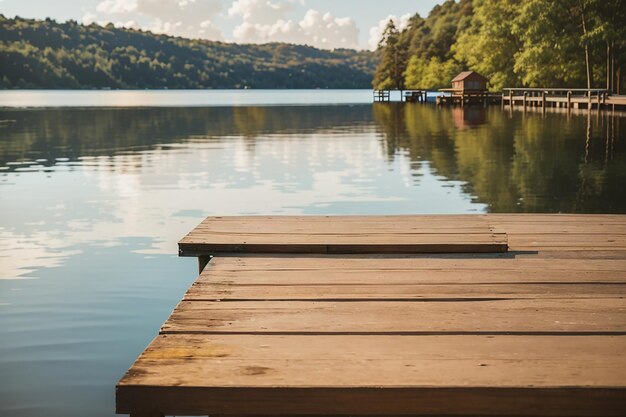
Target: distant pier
x,y
470,87
570,98
408,96
452,96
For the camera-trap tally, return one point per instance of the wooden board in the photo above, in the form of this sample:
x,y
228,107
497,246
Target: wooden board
x,y
346,234
432,375
539,330
528,316
444,263
562,233
401,292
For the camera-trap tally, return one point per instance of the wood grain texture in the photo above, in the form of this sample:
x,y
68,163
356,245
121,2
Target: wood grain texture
x,y
402,292
539,330
394,317
345,234
445,263
426,361
450,375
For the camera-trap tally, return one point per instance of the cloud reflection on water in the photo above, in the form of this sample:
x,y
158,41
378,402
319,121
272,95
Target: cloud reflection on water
x,y
139,193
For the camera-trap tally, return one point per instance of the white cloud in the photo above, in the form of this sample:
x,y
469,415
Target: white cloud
x,y
325,30
159,26
89,18
116,6
265,21
189,18
262,12
209,31
376,32
187,12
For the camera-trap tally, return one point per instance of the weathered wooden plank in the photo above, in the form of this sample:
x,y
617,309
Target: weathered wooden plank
x,y
568,239
600,360
390,277
443,263
210,239
560,228
393,317
332,227
356,234
398,238
503,219
343,224
400,292
432,375
289,225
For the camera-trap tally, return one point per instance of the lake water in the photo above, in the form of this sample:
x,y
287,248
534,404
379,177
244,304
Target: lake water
x,y
93,201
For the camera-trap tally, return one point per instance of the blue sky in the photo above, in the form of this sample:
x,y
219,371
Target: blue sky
x,y
321,23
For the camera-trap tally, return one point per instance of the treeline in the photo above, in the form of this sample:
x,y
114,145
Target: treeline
x,y
48,54
514,43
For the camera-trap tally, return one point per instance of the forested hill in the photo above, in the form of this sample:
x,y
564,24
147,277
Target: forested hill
x,y
47,54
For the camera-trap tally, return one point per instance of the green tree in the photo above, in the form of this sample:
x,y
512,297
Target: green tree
x,y
611,31
414,74
489,44
550,51
389,74
431,74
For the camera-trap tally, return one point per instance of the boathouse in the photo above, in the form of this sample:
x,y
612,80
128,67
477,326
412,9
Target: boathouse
x,y
469,81
469,87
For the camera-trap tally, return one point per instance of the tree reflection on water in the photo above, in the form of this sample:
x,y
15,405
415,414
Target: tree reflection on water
x,y
511,160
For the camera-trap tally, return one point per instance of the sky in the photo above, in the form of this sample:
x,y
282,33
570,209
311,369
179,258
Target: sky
x,y
322,23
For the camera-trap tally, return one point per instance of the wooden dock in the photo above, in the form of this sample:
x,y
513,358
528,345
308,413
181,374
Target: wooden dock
x,y
569,98
406,96
451,96
462,315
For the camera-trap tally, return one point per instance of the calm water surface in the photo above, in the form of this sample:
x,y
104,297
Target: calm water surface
x,y
180,98
93,201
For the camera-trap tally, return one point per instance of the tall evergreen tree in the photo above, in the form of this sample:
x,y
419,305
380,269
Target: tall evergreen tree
x,y
390,72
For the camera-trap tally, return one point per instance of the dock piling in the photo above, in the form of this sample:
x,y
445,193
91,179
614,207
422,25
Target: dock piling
x,y
569,99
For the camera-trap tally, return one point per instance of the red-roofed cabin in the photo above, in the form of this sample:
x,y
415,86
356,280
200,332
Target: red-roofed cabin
x,y
469,81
